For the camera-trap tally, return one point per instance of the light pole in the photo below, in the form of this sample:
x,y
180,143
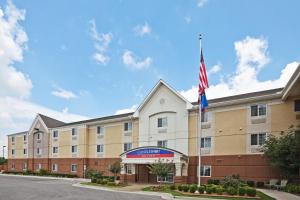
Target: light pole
x,y
3,151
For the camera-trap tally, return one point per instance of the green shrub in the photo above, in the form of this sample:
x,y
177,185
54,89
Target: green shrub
x,y
292,188
260,184
185,188
210,181
232,181
219,189
111,183
231,190
43,172
201,189
90,173
93,180
242,191
99,181
250,183
179,187
193,188
104,181
251,191
209,190
172,187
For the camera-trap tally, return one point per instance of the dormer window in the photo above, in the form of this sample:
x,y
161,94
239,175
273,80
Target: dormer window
x,y
162,122
258,110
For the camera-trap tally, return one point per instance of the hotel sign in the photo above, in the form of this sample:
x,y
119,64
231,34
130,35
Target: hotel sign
x,y
150,153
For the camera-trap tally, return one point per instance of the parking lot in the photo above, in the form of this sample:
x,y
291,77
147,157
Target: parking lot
x,y
25,188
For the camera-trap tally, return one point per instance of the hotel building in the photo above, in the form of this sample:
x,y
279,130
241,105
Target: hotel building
x,y
165,127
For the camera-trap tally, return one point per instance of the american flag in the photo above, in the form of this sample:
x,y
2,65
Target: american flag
x,y
203,83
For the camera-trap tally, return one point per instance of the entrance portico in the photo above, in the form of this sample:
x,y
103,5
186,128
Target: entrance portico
x,y
134,164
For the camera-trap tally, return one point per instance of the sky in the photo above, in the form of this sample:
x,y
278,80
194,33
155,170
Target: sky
x,y
74,60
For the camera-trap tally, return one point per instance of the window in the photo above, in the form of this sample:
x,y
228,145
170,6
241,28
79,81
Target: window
x,y
128,169
204,116
39,166
258,139
162,143
13,152
55,150
205,170
258,110
74,131
297,105
127,126
54,167
100,130
206,142
74,148
127,146
162,122
13,139
39,151
55,134
100,148
168,179
25,137
73,168
24,166
25,151
38,136
13,166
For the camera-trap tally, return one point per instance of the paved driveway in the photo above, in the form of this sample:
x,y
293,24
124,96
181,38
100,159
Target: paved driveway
x,y
21,188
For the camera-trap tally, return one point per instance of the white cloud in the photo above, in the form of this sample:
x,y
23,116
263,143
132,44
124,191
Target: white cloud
x,y
101,43
141,30
13,41
16,111
65,94
201,3
252,55
214,69
188,19
126,110
133,62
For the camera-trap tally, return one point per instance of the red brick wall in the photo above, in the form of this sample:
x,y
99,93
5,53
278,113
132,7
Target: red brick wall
x,y
3,167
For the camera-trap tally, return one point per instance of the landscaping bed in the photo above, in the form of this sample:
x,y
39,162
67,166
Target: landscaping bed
x,y
108,184
41,173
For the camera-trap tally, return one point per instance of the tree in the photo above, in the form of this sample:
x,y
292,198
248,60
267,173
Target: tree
x,y
115,169
2,160
283,152
161,169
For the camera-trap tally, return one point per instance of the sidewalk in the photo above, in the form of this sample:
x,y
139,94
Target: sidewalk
x,y
279,195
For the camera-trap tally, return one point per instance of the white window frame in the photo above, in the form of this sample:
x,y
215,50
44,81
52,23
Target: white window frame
x,y
101,147
258,108
164,143
13,152
55,136
55,153
54,167
205,141
164,122
13,139
39,166
39,137
258,139
13,166
38,151
25,151
128,168
75,148
204,167
296,101
205,117
166,179
101,128
74,132
25,137
73,165
24,166
125,146
129,128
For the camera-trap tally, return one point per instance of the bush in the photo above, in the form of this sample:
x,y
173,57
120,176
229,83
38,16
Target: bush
x,y
93,180
185,188
43,172
193,188
250,183
111,183
260,184
219,189
104,181
213,181
232,181
242,191
210,181
251,191
201,189
90,173
231,190
292,188
209,190
179,187
172,187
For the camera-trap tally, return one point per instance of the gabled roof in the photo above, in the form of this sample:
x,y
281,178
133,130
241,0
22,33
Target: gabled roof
x,y
152,92
292,84
50,122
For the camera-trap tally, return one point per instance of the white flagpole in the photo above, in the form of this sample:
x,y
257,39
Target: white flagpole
x,y
199,126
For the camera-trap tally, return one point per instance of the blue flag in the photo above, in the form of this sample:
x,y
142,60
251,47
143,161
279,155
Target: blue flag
x,y
204,103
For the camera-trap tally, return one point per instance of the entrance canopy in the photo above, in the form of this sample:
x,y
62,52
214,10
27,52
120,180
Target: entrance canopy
x,y
152,154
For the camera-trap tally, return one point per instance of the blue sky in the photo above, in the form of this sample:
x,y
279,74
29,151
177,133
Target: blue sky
x,y
82,59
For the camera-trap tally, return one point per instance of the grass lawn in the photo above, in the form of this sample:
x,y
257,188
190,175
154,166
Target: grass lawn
x,y
261,195
99,185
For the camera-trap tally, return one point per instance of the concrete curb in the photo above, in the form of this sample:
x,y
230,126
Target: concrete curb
x,y
164,196
47,177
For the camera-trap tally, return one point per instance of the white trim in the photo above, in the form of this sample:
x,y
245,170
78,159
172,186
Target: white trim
x,y
37,118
